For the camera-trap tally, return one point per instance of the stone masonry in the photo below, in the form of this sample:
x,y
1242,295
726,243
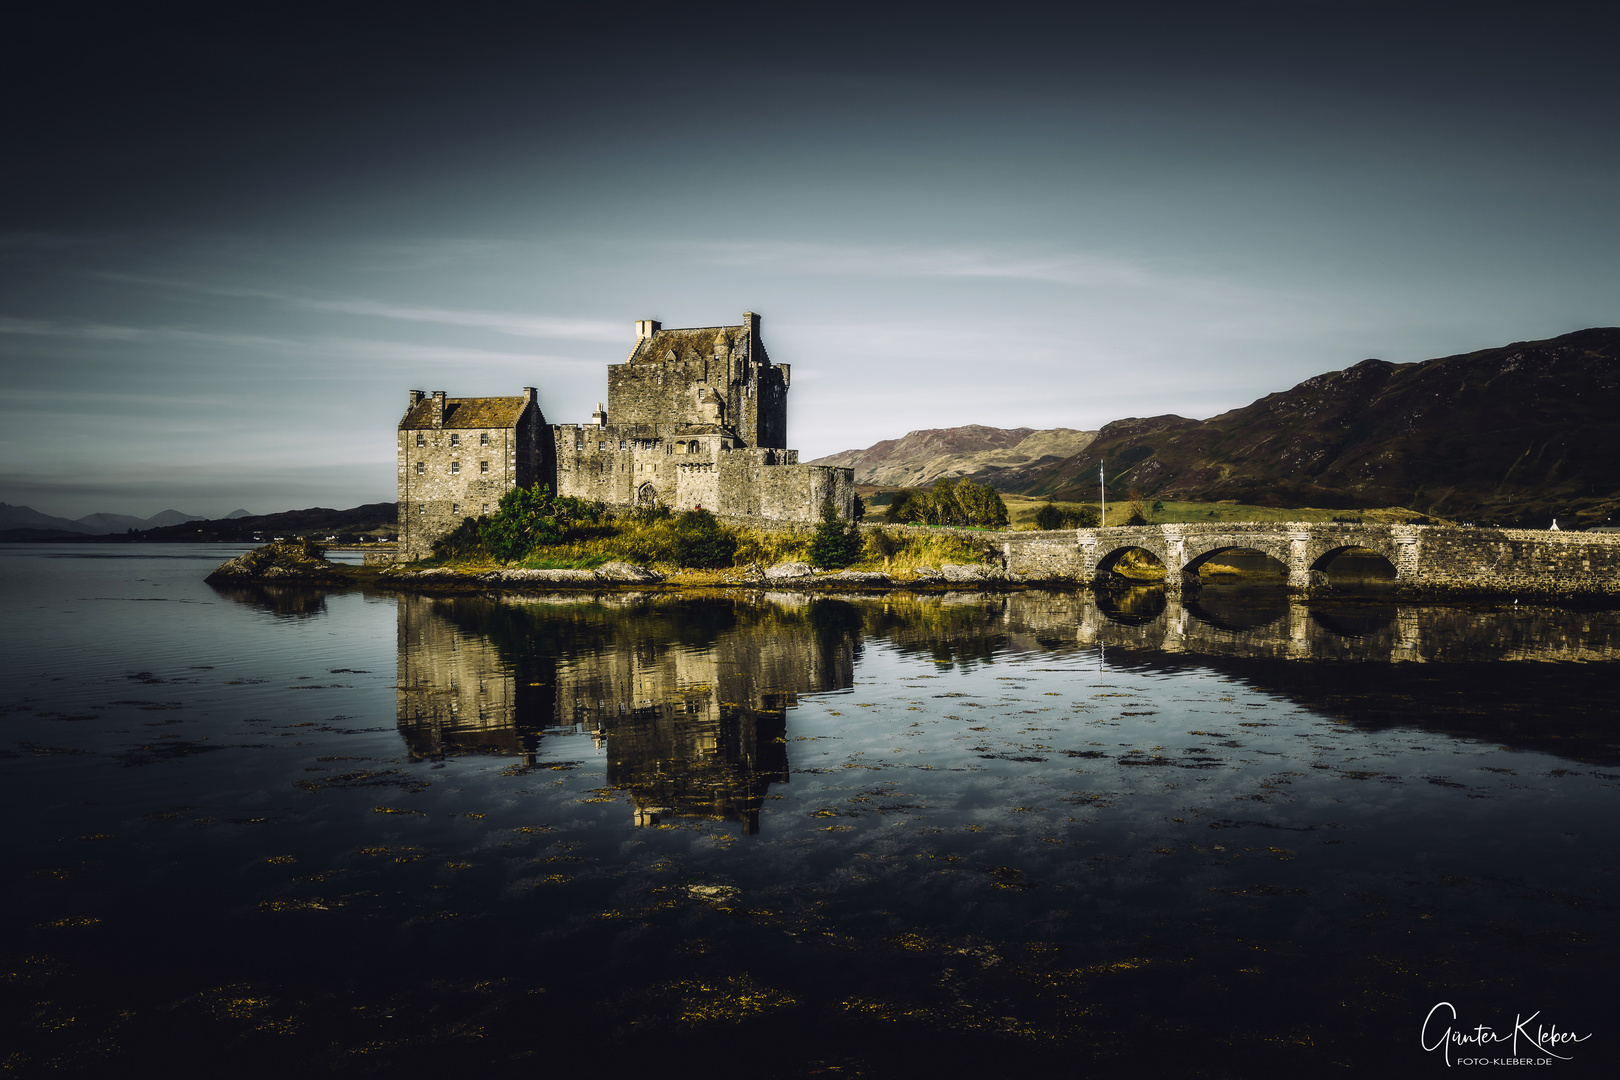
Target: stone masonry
x,y
695,418
1427,559
458,456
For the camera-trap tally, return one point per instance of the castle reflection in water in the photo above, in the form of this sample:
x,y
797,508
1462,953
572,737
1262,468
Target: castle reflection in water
x,y
687,697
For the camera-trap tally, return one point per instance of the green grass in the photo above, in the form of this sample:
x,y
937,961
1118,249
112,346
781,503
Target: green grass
x,y
1022,510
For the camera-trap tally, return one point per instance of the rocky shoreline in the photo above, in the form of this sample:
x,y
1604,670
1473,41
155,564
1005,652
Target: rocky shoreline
x,y
295,562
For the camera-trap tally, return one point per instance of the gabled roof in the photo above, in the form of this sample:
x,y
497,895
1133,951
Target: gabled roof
x,y
691,342
466,412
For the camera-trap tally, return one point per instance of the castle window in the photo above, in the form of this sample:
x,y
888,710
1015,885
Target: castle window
x,y
421,467
483,438
455,508
621,444
602,445
486,508
455,467
455,440
483,466
421,508
700,393
421,440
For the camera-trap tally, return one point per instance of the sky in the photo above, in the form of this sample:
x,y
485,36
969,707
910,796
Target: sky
x,y
233,238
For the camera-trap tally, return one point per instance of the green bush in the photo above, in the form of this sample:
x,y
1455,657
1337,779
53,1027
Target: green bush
x,y
1052,516
835,544
525,519
467,542
700,541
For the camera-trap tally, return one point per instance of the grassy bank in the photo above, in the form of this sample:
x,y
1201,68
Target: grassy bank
x,y
1022,510
658,543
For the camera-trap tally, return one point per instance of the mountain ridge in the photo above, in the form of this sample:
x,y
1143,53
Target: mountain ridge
x,y
1516,433
1001,456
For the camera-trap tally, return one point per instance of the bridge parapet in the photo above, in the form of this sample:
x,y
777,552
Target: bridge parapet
x,y
1431,559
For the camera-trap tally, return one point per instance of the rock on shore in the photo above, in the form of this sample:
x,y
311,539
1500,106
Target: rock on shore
x,y
289,562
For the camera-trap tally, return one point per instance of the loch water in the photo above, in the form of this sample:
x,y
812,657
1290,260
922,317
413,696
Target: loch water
x,y
1237,834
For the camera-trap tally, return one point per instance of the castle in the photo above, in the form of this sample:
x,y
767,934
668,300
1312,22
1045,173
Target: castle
x,y
695,417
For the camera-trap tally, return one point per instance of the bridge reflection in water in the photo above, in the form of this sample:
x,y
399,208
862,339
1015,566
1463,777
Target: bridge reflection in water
x,y
687,697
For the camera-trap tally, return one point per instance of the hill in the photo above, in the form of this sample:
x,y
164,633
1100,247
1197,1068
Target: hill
x,y
1516,434
372,519
1519,433
1005,457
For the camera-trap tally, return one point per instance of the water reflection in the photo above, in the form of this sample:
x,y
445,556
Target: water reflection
x,y
686,697
286,601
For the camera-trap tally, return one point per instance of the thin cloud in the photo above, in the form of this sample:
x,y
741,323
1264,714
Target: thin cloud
x,y
539,326
330,347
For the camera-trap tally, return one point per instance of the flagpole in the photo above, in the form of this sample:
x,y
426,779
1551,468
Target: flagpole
x,y
1102,488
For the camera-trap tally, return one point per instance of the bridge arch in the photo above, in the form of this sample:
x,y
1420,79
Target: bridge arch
x,y
1277,553
1109,563
1365,565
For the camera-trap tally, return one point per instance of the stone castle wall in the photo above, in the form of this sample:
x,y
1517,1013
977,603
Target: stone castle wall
x,y
447,474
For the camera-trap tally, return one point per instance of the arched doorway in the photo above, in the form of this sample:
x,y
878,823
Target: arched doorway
x,y
646,496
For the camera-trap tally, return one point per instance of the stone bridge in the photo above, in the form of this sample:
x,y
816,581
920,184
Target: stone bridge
x,y
1431,559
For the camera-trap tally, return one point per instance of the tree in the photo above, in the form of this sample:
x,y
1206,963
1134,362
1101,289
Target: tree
x,y
835,543
950,502
524,520
1053,516
1140,514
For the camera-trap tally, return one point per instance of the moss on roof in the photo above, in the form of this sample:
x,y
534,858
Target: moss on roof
x,y
474,412
689,343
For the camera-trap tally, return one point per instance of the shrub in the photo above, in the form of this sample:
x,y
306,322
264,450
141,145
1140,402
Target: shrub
x,y
700,541
835,543
1140,513
1052,516
465,543
523,521
880,545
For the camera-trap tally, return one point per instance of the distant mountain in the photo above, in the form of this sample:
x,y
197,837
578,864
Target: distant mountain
x,y
105,523
369,520
1513,434
22,524
169,517
1006,457
26,517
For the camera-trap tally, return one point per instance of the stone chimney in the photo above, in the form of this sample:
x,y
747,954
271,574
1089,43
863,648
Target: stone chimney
x,y
416,398
438,408
599,417
646,328
751,323
529,395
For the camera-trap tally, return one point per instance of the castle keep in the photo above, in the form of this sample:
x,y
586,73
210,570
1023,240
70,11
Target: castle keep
x,y
695,417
